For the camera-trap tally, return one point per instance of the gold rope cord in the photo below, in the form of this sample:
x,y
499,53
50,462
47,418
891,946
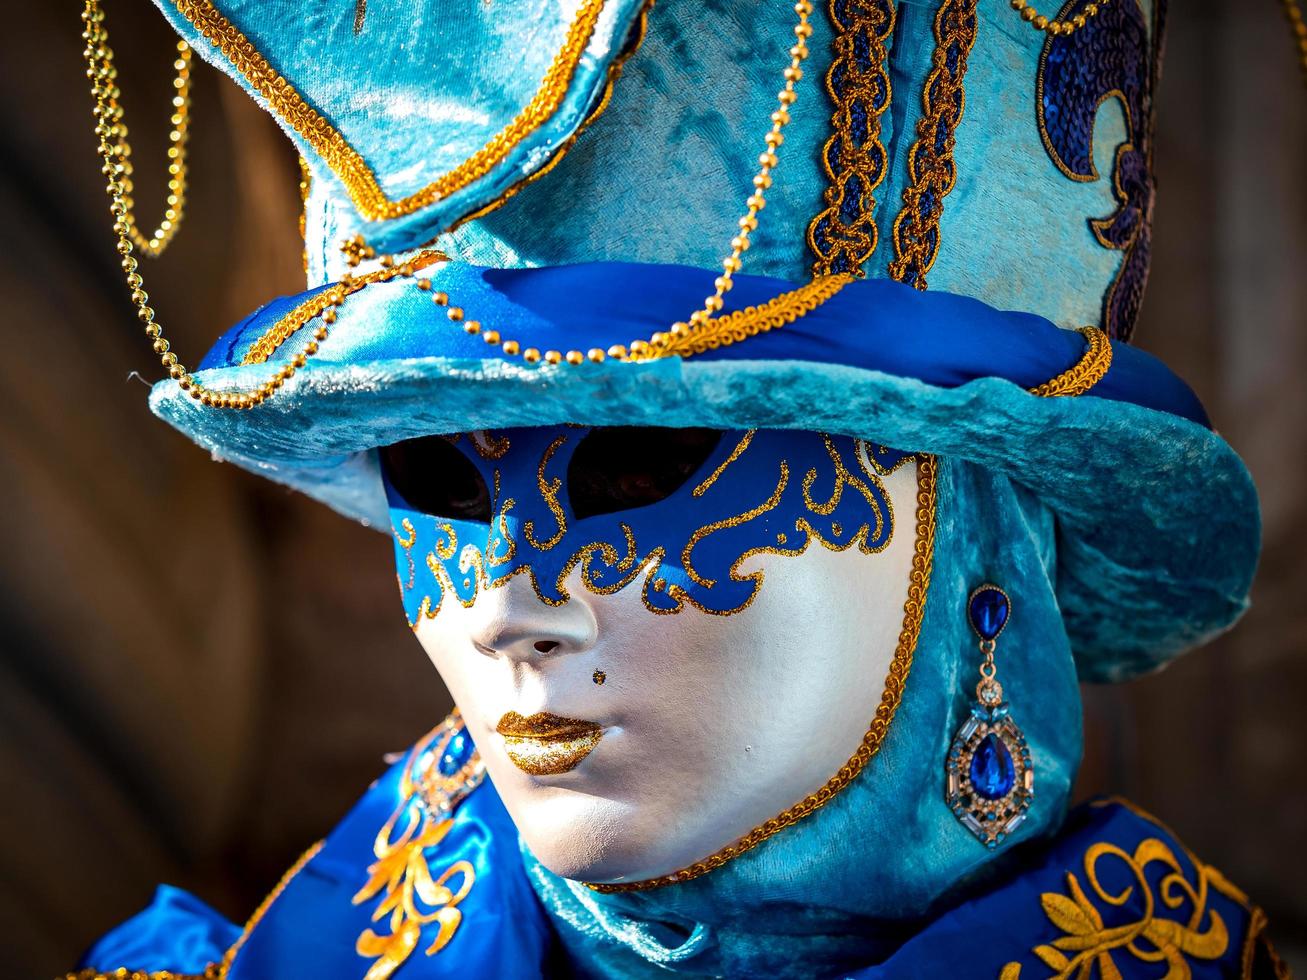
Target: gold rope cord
x,y
862,165
346,162
1085,373
931,170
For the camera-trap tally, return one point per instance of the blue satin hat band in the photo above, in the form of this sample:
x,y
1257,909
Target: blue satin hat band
x,y
874,324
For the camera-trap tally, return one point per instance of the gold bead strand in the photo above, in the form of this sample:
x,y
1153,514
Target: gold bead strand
x,y
1055,27
762,180
112,147
178,137
113,150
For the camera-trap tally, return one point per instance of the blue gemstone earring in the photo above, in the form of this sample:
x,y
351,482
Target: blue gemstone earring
x,y
991,780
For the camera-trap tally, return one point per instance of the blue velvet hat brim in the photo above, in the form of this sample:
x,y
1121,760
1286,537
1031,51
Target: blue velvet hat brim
x,y
1157,516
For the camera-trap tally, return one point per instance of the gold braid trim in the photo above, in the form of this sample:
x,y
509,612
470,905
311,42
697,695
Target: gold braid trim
x,y
931,170
914,610
346,162
734,327
861,166
1085,373
230,956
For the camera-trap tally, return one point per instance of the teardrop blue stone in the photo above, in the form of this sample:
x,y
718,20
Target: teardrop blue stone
x,y
988,611
992,772
456,753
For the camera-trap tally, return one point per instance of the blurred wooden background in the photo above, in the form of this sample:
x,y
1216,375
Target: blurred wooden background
x,y
200,672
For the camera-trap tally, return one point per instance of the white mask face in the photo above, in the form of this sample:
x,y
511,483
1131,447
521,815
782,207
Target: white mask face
x,y
627,743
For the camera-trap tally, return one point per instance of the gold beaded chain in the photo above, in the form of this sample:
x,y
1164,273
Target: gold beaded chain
x,y
114,151
767,161
1293,10
1055,27
120,166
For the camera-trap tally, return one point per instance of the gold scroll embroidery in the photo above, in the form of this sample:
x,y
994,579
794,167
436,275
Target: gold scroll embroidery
x,y
1087,942
411,896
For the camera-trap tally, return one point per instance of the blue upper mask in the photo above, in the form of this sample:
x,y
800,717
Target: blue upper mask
x,y
677,509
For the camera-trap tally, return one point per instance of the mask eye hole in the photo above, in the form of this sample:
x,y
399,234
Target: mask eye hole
x,y
430,475
619,468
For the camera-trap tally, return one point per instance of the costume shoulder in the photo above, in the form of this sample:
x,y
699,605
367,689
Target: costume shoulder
x,y
1114,894
423,873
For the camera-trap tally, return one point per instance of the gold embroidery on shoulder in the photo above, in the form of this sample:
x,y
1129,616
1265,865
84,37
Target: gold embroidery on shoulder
x,y
549,493
411,896
1087,941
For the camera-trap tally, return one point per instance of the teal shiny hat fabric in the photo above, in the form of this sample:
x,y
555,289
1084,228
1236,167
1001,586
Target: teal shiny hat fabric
x,y
412,116
1042,208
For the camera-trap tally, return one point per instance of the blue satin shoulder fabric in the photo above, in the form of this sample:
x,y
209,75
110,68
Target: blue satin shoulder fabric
x,y
458,906
1115,892
176,932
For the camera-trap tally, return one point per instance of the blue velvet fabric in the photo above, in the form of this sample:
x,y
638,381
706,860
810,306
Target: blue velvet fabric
x,y
414,91
1157,517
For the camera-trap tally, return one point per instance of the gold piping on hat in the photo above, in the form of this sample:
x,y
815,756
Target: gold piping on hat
x,y
345,161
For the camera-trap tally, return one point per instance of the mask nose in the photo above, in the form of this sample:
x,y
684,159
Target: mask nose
x,y
512,622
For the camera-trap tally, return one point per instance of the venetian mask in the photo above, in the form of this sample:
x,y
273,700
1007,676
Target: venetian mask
x,y
659,638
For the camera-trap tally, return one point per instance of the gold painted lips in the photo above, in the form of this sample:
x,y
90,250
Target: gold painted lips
x,y
545,744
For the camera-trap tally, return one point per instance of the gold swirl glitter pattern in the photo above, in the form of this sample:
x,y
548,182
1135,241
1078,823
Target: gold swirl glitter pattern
x,y
599,561
1085,373
549,493
913,612
687,560
345,161
715,475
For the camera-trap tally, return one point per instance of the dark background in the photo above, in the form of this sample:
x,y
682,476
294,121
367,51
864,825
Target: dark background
x,y
199,672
